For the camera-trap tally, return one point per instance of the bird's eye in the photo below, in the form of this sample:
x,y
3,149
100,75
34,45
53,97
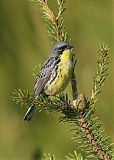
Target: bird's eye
x,y
60,49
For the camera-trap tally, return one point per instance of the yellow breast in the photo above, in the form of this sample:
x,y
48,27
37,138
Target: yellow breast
x,y
63,75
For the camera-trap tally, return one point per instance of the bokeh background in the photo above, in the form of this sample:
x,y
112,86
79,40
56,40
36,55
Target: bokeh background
x,y
24,43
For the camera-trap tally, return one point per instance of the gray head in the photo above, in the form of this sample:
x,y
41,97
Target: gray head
x,y
59,47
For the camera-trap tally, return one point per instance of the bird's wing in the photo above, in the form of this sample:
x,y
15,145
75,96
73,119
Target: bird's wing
x,y
40,83
44,75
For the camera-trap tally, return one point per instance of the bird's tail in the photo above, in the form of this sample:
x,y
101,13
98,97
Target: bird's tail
x,y
29,114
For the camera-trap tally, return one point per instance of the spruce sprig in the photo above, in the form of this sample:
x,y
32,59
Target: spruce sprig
x,y
101,71
55,23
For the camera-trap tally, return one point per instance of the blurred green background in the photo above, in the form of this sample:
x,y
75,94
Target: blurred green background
x,y
24,43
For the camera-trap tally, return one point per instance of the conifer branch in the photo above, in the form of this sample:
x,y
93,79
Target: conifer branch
x,y
23,97
56,28
92,139
101,71
88,130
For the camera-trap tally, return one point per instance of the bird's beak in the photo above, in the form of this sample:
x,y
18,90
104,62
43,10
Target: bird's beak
x,y
69,47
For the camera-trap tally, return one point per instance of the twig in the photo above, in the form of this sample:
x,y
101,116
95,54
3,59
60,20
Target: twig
x,y
56,21
91,139
74,83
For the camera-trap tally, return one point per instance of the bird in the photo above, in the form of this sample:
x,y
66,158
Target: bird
x,y
54,74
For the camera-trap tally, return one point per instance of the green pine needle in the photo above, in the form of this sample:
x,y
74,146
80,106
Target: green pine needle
x,y
74,156
49,157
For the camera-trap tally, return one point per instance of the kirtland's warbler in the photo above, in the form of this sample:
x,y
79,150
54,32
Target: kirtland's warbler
x,y
54,74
